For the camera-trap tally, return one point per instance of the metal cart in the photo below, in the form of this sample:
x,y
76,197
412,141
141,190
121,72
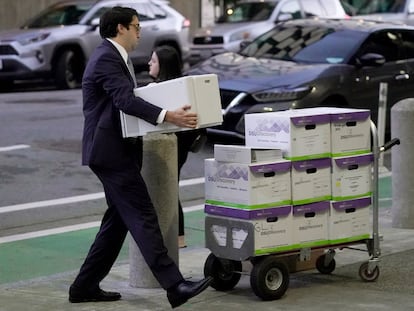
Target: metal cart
x,y
269,277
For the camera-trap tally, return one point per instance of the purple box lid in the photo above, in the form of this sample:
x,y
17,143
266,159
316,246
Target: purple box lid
x,y
350,116
311,207
355,203
364,159
271,167
314,163
304,120
247,214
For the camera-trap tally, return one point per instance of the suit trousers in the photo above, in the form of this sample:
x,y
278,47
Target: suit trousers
x,y
129,209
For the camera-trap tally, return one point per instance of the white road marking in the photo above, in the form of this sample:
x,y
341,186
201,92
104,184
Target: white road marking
x,y
79,198
75,199
14,147
47,232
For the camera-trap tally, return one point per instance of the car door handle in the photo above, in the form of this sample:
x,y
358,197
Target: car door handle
x,y
404,76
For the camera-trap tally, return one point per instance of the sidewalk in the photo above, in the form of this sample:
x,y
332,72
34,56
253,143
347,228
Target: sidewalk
x,y
308,290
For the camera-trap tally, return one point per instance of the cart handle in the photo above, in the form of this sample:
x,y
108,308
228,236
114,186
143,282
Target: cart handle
x,y
390,144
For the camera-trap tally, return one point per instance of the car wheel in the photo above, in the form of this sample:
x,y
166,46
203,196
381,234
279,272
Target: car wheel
x,y
66,71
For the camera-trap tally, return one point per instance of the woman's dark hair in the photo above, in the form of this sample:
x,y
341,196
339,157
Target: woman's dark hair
x,y
169,63
109,21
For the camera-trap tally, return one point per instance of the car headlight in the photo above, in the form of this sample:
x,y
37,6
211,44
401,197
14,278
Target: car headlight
x,y
282,94
240,36
34,38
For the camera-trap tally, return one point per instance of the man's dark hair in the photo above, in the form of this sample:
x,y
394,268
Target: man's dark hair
x,y
110,19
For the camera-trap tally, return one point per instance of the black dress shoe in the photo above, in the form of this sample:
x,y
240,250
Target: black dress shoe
x,y
185,290
78,295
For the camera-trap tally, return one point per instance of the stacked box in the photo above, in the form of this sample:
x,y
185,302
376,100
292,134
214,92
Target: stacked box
x,y
311,181
351,176
349,220
247,186
240,239
310,224
301,134
350,130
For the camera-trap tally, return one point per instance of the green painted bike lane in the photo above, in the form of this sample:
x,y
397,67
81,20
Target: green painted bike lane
x,y
64,252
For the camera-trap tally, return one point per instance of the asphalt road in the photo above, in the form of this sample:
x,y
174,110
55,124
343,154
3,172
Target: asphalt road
x,y
45,126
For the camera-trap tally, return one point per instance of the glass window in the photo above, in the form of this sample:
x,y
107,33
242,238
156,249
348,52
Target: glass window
x,y
386,43
308,44
59,15
246,12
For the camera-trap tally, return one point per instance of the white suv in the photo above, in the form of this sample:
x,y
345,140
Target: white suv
x,y
57,43
250,18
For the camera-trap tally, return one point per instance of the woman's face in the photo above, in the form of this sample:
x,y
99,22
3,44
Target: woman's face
x,y
154,66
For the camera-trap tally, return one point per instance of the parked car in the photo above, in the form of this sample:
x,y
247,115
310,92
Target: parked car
x,y
385,10
310,63
250,18
57,43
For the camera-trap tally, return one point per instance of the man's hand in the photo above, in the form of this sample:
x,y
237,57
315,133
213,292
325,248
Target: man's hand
x,y
182,117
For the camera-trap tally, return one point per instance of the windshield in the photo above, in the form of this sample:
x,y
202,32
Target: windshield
x,y
362,7
306,44
248,12
59,15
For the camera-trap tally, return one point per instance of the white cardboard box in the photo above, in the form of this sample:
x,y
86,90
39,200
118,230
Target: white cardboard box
x,y
301,133
244,154
201,92
242,238
247,186
310,224
350,130
350,220
352,176
311,181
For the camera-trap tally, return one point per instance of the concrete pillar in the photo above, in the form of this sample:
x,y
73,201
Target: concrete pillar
x,y
402,164
159,171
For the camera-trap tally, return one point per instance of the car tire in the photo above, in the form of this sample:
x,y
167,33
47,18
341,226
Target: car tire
x,y
66,71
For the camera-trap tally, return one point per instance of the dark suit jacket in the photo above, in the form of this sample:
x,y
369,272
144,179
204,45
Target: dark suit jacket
x,y
107,88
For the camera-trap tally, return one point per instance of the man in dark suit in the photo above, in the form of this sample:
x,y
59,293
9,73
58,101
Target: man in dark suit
x,y
108,88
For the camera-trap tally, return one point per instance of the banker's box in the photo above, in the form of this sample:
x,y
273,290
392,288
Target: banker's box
x,y
300,133
352,176
350,130
240,239
350,220
201,92
310,224
247,186
311,181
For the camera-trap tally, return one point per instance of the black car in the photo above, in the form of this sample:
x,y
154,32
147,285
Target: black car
x,y
310,63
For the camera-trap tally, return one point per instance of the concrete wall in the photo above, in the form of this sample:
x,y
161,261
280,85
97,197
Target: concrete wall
x,y
15,13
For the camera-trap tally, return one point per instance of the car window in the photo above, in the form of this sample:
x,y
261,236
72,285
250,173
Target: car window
x,y
306,44
59,15
247,12
407,38
386,43
379,6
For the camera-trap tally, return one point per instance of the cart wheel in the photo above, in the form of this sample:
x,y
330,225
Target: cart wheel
x,y
225,272
269,278
325,269
367,276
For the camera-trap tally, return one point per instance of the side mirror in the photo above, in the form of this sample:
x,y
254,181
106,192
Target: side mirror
x,y
94,23
371,60
283,17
